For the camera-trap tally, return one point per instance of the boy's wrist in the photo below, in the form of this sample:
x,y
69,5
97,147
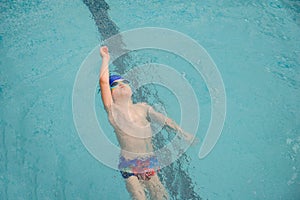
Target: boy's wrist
x,y
105,59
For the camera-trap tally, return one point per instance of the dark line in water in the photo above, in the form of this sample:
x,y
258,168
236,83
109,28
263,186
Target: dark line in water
x,y
106,26
175,177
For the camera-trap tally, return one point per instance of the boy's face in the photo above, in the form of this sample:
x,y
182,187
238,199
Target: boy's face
x,y
121,88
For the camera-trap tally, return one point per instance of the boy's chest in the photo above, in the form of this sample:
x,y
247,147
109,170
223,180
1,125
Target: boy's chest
x,y
135,116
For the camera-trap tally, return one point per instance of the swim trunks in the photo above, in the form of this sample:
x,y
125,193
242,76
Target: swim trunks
x,y
142,168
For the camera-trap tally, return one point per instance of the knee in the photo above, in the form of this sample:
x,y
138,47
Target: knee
x,y
161,194
158,191
137,195
135,189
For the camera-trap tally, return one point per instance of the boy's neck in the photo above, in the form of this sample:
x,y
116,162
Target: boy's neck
x,y
124,103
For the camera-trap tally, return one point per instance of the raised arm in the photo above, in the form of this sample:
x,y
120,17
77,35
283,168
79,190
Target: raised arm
x,y
104,78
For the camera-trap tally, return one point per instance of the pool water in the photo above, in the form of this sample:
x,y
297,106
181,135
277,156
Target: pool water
x,y
255,45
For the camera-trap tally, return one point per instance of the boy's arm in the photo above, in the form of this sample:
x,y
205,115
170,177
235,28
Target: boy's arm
x,y
104,78
166,121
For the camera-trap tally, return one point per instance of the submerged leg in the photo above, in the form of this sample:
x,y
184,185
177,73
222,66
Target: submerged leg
x,y
156,189
135,188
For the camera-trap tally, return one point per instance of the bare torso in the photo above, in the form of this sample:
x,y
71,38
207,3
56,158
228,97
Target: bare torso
x,y
132,128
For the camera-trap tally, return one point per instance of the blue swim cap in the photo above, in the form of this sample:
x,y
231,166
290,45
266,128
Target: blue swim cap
x,y
113,78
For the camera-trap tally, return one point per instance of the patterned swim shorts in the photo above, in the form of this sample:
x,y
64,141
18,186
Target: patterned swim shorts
x,y
142,168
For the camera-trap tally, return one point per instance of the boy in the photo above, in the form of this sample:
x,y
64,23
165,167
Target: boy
x,y
131,122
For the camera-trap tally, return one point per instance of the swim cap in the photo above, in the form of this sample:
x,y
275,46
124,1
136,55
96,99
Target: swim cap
x,y
113,78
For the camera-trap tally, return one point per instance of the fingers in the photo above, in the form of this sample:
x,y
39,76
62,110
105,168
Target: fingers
x,y
104,49
104,52
196,141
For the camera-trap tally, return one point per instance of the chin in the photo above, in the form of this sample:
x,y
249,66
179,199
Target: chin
x,y
123,94
127,92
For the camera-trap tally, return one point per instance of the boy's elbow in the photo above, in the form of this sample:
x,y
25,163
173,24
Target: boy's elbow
x,y
103,81
168,120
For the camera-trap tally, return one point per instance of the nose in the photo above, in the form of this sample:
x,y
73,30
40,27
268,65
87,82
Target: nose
x,y
121,85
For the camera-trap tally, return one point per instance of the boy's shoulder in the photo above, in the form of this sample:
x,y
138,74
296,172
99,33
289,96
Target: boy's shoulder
x,y
143,105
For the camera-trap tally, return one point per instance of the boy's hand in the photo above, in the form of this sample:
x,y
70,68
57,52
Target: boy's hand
x,y
104,52
190,138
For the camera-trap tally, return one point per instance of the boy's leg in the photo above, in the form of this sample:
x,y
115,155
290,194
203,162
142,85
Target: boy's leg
x,y
135,188
156,188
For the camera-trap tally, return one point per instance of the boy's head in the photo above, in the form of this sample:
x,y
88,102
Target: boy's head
x,y
119,87
113,78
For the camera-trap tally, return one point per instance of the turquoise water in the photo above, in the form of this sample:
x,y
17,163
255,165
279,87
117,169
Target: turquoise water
x,y
255,46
